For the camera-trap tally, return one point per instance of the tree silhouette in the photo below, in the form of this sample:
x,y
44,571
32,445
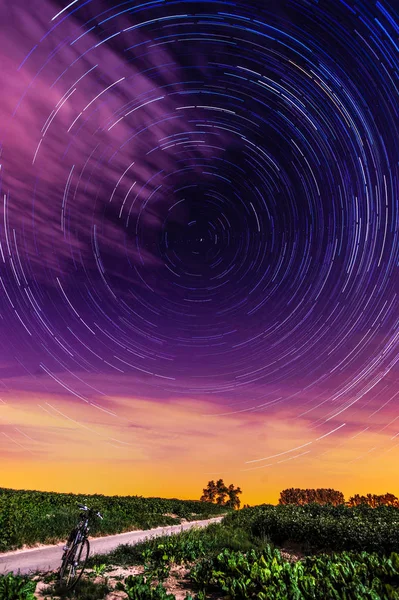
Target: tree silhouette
x,y
305,496
233,501
210,492
374,500
221,494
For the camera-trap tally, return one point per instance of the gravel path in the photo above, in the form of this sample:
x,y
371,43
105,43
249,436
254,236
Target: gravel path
x,y
48,558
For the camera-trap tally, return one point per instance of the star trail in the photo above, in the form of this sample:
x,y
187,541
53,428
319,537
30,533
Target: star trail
x,y
200,213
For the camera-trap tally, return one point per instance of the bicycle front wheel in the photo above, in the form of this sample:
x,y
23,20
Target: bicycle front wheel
x,y
74,564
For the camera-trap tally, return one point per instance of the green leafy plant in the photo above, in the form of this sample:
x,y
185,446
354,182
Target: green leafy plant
x,y
265,575
157,562
99,569
16,587
139,588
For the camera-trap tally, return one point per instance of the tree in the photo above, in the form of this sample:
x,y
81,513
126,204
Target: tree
x,y
391,500
374,500
220,494
305,496
210,492
233,501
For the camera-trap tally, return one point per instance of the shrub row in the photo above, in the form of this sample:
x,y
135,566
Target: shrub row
x,y
28,517
318,527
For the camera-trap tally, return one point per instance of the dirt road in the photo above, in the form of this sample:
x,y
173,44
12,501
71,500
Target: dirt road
x,y
48,558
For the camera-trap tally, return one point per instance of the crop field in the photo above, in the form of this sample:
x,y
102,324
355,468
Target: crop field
x,y
315,527
29,517
340,553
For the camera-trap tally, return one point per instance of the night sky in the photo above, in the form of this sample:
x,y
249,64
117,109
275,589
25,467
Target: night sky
x,y
199,246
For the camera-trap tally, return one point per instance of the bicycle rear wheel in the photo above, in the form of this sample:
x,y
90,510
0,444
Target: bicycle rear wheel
x,y
73,565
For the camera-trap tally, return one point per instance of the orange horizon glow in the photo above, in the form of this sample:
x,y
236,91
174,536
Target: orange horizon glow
x,y
172,449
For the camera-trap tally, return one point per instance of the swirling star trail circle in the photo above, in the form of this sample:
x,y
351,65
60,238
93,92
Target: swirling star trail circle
x,y
200,201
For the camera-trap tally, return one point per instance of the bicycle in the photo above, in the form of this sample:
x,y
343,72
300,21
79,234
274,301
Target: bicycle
x,y
76,550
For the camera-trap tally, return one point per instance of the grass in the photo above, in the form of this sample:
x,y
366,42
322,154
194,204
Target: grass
x,y
186,546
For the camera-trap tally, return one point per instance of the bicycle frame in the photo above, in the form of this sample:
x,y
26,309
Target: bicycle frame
x,y
77,542
83,530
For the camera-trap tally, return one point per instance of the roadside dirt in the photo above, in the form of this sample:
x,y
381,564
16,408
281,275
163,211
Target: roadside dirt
x,y
177,583
291,552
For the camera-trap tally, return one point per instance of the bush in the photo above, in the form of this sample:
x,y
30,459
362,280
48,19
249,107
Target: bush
x,y
318,527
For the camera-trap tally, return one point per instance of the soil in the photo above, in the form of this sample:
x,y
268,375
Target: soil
x,y
291,552
177,583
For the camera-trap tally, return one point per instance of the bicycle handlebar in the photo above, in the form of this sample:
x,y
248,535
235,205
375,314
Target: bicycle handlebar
x,y
90,510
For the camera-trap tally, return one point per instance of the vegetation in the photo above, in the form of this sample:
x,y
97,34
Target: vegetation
x,y
317,527
374,500
16,587
30,517
140,588
85,590
221,494
233,559
266,575
350,551
320,496
329,496
185,547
